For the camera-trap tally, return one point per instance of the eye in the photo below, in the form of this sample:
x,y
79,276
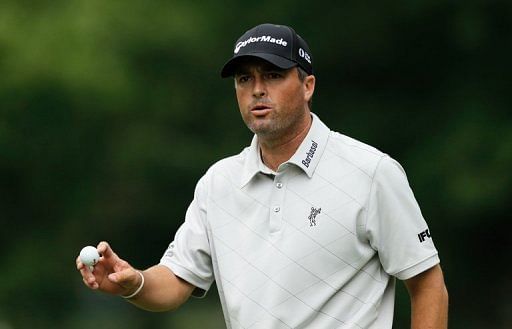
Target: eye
x,y
274,75
242,78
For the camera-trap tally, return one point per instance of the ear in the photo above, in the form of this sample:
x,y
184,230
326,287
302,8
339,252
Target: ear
x,y
309,87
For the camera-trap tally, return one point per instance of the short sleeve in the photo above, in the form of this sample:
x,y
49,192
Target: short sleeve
x,y
189,256
395,226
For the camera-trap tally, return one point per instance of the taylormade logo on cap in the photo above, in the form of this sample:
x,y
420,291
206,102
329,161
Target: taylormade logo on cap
x,y
263,38
279,45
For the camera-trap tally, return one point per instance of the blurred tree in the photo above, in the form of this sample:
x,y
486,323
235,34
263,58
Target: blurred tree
x,y
111,111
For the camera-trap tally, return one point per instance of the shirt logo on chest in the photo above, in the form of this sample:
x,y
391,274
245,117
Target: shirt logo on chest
x,y
312,216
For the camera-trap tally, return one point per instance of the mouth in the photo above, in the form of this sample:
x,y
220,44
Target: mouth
x,y
260,109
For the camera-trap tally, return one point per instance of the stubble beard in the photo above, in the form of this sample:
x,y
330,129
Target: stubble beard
x,y
275,127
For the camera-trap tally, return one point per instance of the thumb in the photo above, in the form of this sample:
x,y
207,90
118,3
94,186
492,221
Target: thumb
x,y
125,278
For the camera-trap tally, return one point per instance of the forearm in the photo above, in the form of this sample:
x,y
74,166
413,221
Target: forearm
x,y
429,301
430,310
162,291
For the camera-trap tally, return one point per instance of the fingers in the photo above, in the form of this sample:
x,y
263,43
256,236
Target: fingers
x,y
87,275
104,249
91,283
111,274
110,259
107,253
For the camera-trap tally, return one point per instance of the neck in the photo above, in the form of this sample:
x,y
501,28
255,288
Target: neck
x,y
274,152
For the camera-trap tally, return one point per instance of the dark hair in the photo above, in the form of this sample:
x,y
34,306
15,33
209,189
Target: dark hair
x,y
302,75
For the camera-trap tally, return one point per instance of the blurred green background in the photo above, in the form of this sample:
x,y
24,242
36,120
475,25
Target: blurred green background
x,y
110,111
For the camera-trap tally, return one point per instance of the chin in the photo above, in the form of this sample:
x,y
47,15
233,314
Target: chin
x,y
265,131
262,126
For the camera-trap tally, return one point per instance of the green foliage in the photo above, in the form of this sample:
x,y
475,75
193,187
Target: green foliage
x,y
111,111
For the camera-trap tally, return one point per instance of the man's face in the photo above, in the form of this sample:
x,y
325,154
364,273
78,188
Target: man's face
x,y
272,101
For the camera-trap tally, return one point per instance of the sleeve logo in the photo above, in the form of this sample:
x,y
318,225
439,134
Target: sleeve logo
x,y
423,235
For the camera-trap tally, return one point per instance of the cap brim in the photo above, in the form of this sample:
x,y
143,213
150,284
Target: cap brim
x,y
229,68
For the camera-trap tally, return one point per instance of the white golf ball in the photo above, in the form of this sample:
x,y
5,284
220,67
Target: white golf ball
x,y
89,256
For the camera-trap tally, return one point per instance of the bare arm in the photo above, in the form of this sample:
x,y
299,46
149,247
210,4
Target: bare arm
x,y
162,290
429,300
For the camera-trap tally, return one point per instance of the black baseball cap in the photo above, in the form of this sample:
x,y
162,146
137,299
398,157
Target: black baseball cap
x,y
277,44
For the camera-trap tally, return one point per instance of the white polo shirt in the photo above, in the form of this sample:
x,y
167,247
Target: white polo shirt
x,y
316,244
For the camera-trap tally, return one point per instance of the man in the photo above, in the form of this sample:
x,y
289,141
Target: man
x,y
306,228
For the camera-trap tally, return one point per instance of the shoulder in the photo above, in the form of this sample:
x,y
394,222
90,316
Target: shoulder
x,y
228,168
353,145
230,162
354,152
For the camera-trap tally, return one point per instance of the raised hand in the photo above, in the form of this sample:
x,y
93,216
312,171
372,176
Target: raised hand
x,y
111,274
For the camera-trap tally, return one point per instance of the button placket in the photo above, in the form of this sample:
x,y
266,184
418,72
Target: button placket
x,y
277,202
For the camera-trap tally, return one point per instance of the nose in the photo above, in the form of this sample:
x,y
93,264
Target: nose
x,y
259,88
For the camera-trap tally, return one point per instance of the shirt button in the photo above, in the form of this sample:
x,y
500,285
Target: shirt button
x,y
279,185
276,209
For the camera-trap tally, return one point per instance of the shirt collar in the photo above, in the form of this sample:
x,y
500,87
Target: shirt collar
x,y
312,147
306,157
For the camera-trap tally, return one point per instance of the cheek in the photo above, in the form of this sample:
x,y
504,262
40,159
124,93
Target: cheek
x,y
241,96
239,99
291,97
